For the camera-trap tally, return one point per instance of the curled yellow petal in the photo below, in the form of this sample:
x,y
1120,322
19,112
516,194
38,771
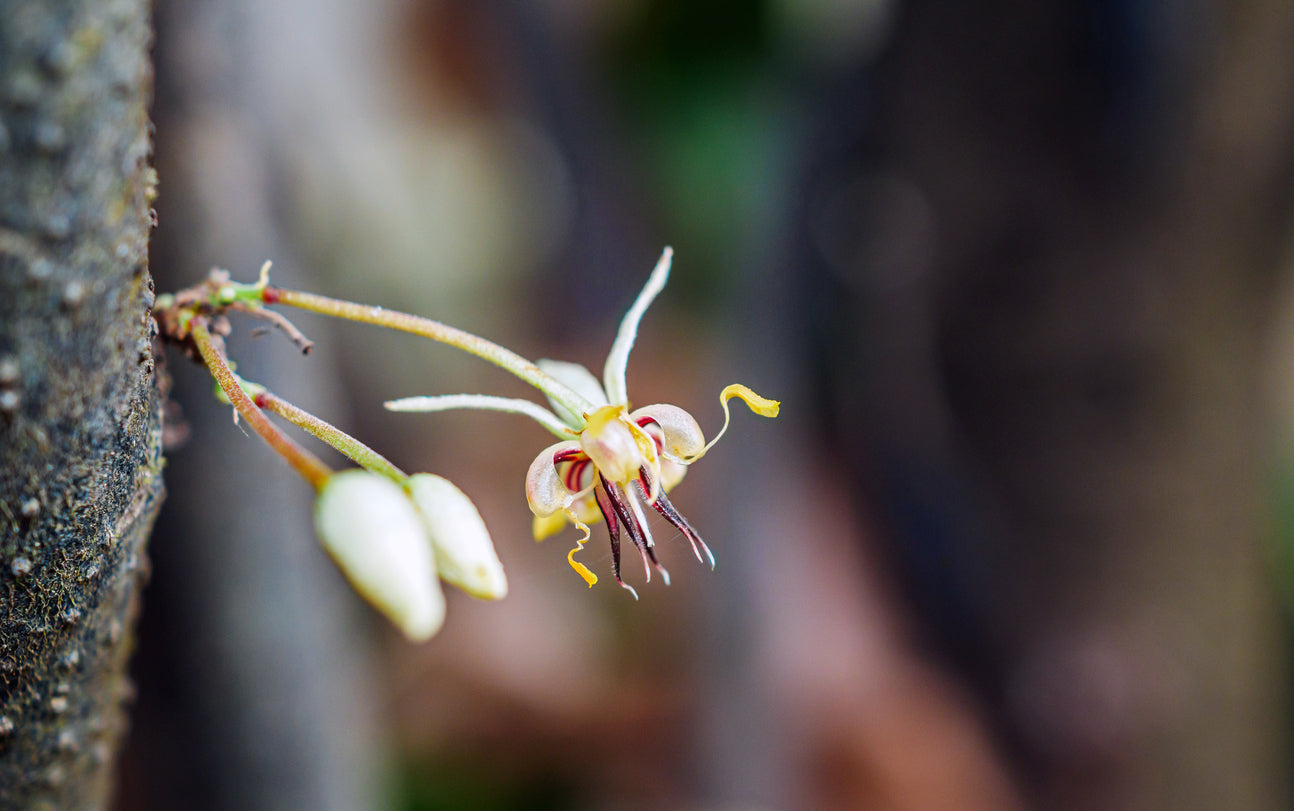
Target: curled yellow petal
x,y
580,568
762,406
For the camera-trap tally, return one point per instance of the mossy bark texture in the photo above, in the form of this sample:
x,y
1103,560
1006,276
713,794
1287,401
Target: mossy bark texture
x,y
80,439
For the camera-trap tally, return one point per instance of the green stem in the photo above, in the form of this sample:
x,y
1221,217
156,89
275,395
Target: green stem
x,y
331,434
436,331
302,461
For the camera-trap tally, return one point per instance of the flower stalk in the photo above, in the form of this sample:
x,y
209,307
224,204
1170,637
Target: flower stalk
x,y
332,435
427,328
612,463
309,466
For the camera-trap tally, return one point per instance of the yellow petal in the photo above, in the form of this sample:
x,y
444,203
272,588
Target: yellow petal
x,y
580,568
762,406
548,525
671,473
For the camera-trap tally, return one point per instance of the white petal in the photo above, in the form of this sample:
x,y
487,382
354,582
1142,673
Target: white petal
x,y
613,374
465,554
545,492
681,435
481,402
578,378
376,536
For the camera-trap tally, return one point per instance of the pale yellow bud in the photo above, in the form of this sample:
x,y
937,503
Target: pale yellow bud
x,y
376,536
464,553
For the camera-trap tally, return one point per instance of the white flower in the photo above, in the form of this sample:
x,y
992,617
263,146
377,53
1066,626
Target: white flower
x,y
611,462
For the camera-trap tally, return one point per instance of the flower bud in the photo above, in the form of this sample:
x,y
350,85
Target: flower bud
x,y
378,539
464,553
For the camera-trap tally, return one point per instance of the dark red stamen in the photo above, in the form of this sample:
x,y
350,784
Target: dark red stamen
x,y
672,515
613,528
620,502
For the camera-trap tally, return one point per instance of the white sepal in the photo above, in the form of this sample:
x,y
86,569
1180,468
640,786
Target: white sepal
x,y
580,380
613,373
482,402
376,536
465,554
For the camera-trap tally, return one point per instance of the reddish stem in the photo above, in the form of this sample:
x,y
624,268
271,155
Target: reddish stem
x,y
436,331
305,463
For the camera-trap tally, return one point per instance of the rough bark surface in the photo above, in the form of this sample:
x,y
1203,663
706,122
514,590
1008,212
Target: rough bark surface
x,y
80,441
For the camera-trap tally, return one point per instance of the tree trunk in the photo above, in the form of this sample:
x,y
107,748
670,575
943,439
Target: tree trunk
x,y
79,417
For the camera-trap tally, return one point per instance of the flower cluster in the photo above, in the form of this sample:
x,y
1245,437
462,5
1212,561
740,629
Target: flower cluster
x,y
393,542
395,536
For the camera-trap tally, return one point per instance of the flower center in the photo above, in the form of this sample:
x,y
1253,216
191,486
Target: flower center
x,y
610,441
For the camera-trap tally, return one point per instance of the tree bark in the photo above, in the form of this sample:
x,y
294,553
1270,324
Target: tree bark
x,y
80,438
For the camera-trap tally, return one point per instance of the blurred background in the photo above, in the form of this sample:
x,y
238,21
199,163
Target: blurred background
x,y
1023,536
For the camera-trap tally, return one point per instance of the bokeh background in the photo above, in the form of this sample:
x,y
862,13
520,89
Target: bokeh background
x,y
1023,536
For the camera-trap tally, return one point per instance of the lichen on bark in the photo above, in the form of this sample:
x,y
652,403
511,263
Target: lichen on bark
x,y
80,440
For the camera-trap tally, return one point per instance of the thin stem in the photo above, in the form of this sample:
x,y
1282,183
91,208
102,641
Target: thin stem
x,y
436,331
302,461
334,436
